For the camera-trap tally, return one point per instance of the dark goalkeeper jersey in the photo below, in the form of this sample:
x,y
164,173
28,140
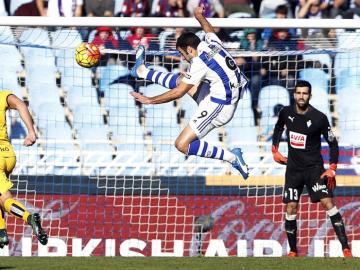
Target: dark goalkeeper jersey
x,y
304,137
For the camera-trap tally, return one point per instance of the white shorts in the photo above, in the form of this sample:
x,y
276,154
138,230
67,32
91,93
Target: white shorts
x,y
210,115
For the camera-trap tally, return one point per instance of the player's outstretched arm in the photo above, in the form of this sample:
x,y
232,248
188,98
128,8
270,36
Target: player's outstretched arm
x,y
205,25
15,103
170,95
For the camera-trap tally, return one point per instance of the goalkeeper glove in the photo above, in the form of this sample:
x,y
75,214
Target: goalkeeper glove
x,y
278,157
330,176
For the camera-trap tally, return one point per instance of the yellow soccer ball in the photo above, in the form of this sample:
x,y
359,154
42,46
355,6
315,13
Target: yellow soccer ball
x,y
87,55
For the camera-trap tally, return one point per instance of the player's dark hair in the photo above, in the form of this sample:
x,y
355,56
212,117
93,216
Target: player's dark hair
x,y
187,39
302,83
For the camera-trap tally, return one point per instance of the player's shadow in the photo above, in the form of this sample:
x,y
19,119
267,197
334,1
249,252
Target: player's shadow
x,y
7,267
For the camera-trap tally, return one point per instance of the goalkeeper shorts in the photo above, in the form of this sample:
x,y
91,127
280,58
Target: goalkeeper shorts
x,y
296,180
7,165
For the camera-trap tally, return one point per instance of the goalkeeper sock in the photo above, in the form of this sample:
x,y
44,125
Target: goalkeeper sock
x,y
2,220
291,229
16,208
204,149
338,225
166,79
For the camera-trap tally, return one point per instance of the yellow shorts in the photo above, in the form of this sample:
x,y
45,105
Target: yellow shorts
x,y
7,165
6,149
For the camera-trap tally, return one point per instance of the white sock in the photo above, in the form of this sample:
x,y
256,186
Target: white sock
x,y
229,156
142,71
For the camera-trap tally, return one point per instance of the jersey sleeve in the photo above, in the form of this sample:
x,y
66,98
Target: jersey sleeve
x,y
331,140
196,72
279,128
3,98
212,38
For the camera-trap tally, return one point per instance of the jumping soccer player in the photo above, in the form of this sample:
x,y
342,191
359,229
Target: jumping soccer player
x,y
212,62
7,164
305,166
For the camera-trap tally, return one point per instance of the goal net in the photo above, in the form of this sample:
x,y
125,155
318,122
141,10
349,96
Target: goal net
x,y
107,179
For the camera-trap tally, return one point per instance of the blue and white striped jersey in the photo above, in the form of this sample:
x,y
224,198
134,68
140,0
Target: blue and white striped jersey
x,y
215,64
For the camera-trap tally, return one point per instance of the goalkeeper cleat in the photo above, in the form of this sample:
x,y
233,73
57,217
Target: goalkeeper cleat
x,y
34,221
239,163
4,239
347,253
292,254
139,60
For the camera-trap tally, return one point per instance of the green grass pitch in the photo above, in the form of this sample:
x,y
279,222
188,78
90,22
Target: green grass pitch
x,y
121,263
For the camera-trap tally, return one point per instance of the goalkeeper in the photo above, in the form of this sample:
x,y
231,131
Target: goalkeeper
x,y
7,164
304,165
209,60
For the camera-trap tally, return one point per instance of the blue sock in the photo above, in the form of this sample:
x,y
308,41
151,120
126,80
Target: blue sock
x,y
204,149
166,79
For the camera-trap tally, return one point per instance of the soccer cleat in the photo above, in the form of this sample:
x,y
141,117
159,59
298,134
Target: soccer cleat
x,y
292,254
4,239
347,253
139,60
34,221
239,163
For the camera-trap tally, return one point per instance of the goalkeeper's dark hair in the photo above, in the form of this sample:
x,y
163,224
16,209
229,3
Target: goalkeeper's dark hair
x,y
187,39
303,83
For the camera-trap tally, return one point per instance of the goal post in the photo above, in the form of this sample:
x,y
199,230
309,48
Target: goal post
x,y
105,174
